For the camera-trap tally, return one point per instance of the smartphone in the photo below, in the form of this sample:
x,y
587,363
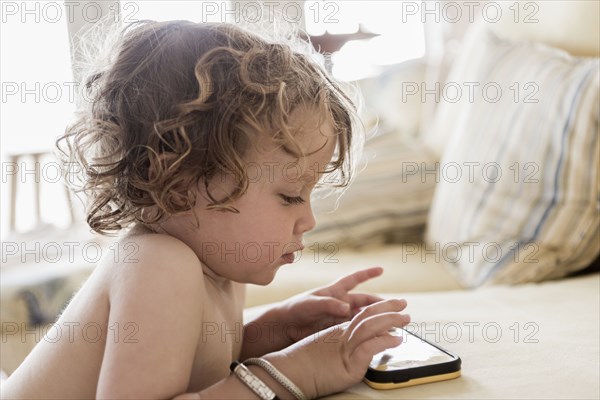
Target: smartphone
x,y
415,361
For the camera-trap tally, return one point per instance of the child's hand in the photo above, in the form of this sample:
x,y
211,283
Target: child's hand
x,y
336,358
307,313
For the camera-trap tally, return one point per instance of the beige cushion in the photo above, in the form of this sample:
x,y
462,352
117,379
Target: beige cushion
x,y
571,25
519,198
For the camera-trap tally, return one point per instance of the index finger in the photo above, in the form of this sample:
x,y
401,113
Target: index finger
x,y
349,282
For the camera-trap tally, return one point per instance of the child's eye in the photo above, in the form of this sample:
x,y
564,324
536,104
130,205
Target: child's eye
x,y
292,200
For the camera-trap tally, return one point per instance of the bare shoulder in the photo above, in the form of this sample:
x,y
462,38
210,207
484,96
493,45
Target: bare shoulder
x,y
162,293
158,245
152,260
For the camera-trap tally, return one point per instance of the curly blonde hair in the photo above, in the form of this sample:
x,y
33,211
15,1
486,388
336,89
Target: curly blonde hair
x,y
174,105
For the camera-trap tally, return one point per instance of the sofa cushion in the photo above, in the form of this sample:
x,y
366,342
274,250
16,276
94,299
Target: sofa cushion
x,y
519,178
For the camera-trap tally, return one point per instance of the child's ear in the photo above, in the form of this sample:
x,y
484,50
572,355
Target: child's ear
x,y
216,189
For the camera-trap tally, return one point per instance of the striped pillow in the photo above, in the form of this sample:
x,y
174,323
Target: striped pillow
x,y
388,200
520,197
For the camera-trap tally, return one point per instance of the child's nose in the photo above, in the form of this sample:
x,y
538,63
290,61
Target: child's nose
x,y
307,220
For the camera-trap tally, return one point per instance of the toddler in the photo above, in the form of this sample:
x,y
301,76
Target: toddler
x,y
202,144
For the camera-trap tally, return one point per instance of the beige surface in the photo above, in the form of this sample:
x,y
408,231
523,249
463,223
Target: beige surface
x,y
563,318
408,268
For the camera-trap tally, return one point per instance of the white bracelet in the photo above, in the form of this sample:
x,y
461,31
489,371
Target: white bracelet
x,y
252,381
278,376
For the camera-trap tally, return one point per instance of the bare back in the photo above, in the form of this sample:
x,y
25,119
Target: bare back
x,y
68,362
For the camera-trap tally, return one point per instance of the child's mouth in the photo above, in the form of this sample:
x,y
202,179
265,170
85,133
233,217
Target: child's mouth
x,y
288,258
291,256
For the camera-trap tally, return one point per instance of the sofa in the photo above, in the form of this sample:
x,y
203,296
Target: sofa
x,y
498,269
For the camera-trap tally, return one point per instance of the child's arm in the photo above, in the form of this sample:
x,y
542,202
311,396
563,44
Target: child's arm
x,y
289,321
161,296
326,363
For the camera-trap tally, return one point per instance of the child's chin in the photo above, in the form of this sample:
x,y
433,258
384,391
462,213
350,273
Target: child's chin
x,y
265,278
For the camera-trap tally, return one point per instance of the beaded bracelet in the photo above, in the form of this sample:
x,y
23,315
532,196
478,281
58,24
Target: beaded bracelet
x,y
278,376
252,381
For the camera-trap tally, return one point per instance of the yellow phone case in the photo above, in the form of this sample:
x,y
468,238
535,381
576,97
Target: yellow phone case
x,y
412,382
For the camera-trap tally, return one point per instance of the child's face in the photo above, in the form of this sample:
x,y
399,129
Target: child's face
x,y
274,213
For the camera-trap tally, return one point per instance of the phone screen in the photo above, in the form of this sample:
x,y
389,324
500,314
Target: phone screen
x,y
412,352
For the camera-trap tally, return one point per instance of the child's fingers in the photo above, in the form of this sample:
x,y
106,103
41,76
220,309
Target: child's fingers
x,y
392,305
330,306
363,299
375,325
349,282
364,353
